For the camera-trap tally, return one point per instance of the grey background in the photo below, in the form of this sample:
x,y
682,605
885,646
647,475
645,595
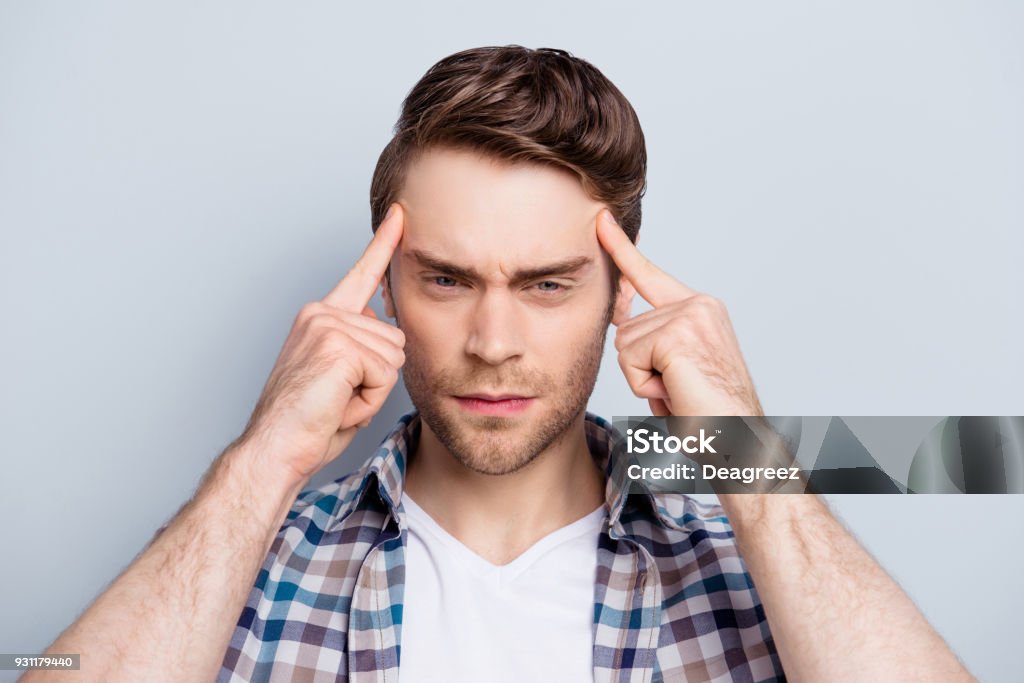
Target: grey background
x,y
177,179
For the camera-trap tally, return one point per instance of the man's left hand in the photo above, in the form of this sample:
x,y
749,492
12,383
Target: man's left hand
x,y
682,356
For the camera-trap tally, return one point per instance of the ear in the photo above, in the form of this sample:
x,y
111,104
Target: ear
x,y
385,294
623,302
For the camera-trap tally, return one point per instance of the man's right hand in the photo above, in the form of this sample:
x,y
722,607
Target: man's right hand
x,y
163,618
337,367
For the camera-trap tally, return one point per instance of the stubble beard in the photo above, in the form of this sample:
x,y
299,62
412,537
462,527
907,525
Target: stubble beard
x,y
499,445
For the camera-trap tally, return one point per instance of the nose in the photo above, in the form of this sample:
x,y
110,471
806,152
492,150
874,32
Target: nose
x,y
496,328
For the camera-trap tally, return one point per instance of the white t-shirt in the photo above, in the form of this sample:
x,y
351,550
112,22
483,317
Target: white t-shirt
x,y
466,619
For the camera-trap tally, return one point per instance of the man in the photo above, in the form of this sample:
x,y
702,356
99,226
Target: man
x,y
485,540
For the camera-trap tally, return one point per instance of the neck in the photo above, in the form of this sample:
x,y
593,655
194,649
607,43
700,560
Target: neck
x,y
500,516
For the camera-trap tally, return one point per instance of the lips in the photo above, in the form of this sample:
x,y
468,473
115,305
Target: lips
x,y
501,405
495,397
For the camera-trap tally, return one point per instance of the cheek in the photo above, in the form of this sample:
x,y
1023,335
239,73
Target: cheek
x,y
435,334
425,326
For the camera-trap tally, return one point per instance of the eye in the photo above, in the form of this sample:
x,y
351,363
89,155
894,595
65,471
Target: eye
x,y
444,281
549,286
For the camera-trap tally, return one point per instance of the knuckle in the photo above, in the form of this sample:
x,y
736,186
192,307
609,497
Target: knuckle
x,y
626,368
349,369
333,342
707,302
322,315
307,311
385,368
388,332
382,328
324,323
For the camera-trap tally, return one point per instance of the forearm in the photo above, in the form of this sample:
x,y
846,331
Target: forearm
x,y
171,614
834,613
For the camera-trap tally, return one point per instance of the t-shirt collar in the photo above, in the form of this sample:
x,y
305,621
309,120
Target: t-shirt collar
x,y
387,467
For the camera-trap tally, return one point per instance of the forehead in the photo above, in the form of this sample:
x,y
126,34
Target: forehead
x,y
488,212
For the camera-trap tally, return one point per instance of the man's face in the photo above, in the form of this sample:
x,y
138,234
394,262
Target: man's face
x,y
501,288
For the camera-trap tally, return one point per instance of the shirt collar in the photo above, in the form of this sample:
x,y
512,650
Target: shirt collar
x,y
386,471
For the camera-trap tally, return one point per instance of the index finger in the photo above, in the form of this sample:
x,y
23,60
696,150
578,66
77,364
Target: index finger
x,y
356,289
652,283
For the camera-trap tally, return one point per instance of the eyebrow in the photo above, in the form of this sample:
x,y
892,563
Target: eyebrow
x,y
559,268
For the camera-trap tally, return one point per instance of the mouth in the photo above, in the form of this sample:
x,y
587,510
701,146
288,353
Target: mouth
x,y
495,404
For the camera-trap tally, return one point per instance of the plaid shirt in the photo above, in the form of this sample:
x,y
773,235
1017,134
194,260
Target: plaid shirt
x,y
672,598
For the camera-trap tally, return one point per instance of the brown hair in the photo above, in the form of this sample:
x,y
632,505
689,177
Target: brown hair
x,y
523,105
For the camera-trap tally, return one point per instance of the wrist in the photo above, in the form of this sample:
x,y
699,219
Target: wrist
x,y
269,457
264,485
